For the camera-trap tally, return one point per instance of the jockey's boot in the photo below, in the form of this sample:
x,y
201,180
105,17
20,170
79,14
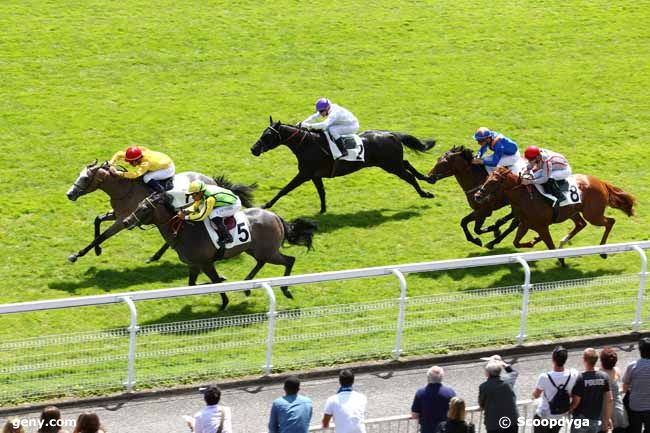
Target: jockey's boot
x,y
341,145
554,188
224,235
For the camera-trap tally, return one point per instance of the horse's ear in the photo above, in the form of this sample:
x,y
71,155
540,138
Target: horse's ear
x,y
92,164
270,120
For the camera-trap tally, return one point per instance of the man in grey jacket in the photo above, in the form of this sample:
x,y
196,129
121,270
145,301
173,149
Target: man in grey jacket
x,y
497,398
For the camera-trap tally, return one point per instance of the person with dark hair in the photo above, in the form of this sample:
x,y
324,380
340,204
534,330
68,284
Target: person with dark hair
x,y
347,407
431,403
496,396
291,413
608,360
554,387
13,425
214,418
636,380
593,395
88,422
455,419
51,421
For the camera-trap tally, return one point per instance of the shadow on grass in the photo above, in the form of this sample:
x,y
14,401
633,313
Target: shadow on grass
x,y
111,279
330,222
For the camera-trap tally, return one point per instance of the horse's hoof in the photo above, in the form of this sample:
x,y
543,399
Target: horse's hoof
x,y
151,259
223,307
265,206
427,194
430,180
98,251
247,292
562,262
323,210
72,258
287,293
604,256
489,245
477,242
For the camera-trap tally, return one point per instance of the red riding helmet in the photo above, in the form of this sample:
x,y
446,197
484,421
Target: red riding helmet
x,y
531,152
133,154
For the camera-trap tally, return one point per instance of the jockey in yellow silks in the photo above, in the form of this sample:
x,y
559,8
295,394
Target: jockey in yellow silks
x,y
155,168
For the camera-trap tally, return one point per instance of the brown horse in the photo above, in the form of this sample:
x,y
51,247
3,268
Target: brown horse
x,y
457,162
534,212
195,248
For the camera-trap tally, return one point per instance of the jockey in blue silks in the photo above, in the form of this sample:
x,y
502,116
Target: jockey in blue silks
x,y
504,150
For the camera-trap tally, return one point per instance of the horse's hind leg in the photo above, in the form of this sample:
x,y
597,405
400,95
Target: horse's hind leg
x,y
288,262
545,236
410,178
601,220
212,273
579,225
108,216
414,172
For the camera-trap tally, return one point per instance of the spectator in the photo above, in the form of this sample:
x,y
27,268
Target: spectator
x,y
497,398
593,396
291,413
455,422
548,386
213,418
88,422
50,421
608,359
13,425
636,380
347,407
431,403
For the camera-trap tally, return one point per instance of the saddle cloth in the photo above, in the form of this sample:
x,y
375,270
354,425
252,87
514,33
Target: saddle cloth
x,y
238,227
569,187
178,194
354,145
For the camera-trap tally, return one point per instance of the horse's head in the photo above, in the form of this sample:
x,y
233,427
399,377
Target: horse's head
x,y
89,179
270,139
451,162
143,213
501,178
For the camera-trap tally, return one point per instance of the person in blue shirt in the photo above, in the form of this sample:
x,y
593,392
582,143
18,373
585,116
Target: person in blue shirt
x,y
291,413
504,150
431,403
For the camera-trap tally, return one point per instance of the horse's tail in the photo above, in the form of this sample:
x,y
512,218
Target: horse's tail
x,y
244,192
299,231
414,143
619,199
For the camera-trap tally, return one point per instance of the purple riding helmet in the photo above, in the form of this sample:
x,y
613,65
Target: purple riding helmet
x,y
322,104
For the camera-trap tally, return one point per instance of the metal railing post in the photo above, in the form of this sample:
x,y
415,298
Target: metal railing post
x,y
400,318
636,325
269,339
133,332
524,303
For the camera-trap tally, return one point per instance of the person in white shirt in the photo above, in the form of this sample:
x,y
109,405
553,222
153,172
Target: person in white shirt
x,y
214,418
347,407
338,121
545,389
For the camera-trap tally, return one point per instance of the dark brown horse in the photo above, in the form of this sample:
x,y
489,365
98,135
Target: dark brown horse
x,y
195,248
534,212
457,162
382,149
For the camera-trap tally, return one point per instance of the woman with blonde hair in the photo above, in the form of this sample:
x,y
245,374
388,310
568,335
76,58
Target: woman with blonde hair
x,y
455,418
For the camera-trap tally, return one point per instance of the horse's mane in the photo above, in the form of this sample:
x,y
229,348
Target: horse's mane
x,y
244,192
466,152
314,135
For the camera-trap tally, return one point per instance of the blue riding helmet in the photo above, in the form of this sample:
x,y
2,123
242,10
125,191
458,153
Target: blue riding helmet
x,y
322,104
482,133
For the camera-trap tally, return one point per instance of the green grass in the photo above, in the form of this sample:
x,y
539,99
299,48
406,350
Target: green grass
x,y
198,80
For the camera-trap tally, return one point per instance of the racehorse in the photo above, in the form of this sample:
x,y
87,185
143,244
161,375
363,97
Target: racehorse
x,y
382,149
457,162
195,248
124,195
533,212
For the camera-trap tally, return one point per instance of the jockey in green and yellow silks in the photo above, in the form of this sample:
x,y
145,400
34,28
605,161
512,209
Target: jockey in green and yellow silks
x,y
214,202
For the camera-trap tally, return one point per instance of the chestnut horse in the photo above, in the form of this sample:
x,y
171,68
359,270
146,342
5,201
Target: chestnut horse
x,y
534,212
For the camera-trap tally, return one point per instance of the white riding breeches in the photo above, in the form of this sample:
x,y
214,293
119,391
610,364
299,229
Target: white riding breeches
x,y
561,174
163,174
225,211
506,161
339,129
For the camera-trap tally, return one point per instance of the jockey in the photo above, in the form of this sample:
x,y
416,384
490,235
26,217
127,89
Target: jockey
x,y
504,150
215,202
547,167
338,121
156,168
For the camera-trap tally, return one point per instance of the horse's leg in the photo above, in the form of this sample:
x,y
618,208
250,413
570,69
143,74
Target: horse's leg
x,y
497,225
599,219
116,227
159,253
545,235
521,232
252,273
318,183
579,225
464,223
108,216
414,172
194,273
280,259
501,236
298,180
212,273
401,172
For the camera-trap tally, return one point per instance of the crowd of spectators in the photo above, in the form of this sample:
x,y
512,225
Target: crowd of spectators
x,y
597,399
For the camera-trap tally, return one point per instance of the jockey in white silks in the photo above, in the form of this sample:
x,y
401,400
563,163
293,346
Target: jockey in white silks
x,y
547,167
338,121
